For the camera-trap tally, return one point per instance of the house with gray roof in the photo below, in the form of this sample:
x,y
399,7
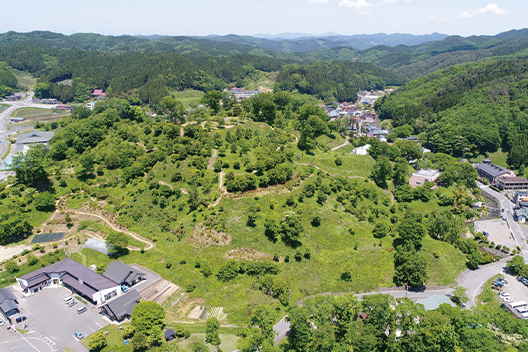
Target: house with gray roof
x,y
75,276
121,307
24,140
433,302
8,303
123,274
491,171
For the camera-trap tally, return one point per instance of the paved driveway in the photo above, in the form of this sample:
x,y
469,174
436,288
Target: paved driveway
x,y
50,318
30,342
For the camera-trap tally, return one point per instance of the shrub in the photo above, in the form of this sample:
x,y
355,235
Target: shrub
x,y
11,267
168,264
338,161
298,256
436,254
316,221
32,260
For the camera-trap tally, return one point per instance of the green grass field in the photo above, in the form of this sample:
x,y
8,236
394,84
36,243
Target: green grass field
x,y
25,80
499,158
190,98
37,114
228,342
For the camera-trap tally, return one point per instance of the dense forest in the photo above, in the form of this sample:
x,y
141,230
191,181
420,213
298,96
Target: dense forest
x,y
415,58
69,75
470,109
335,80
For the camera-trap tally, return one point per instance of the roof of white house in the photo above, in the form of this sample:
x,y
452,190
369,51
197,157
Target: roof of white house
x,y
430,174
34,136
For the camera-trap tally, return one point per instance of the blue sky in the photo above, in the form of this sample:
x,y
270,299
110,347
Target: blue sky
x,y
247,17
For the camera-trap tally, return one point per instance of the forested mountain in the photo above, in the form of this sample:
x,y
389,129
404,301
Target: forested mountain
x,y
147,77
474,108
335,80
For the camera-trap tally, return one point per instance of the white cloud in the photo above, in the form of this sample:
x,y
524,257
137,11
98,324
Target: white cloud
x,y
434,18
359,4
318,1
491,9
466,14
390,1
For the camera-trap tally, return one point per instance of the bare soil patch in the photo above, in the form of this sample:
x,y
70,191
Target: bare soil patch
x,y
8,252
202,236
196,313
247,254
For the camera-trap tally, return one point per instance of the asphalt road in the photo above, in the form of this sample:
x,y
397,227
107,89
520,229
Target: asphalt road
x,y
515,228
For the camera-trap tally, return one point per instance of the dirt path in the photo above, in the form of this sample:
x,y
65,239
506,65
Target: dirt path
x,y
221,177
212,160
184,191
347,142
166,184
61,208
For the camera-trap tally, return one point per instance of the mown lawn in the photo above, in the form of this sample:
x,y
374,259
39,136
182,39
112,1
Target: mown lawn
x,y
228,342
190,98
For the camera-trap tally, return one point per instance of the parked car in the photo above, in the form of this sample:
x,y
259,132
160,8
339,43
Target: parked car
x,y
503,281
507,299
21,318
124,288
71,303
504,294
81,310
78,335
68,299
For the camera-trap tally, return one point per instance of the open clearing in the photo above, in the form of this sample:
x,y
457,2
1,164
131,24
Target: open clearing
x,y
499,232
9,251
36,114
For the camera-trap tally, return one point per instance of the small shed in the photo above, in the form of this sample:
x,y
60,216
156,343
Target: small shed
x,y
169,334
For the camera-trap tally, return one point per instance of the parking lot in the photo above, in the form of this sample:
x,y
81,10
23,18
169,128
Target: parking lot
x,y
499,232
515,288
30,342
52,319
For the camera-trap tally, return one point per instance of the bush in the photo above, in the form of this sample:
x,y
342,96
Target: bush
x,y
11,267
298,256
97,341
436,254
338,161
168,264
316,221
32,260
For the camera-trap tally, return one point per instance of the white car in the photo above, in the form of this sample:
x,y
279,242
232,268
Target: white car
x,y
504,294
507,299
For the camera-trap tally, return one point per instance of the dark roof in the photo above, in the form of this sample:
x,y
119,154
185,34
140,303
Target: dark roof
x,y
123,305
77,285
8,306
492,169
6,294
34,136
169,334
38,280
512,179
76,271
121,273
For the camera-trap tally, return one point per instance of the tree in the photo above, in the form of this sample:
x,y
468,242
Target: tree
x,y
264,317
29,168
411,230
401,173
44,201
211,331
228,271
31,260
117,240
300,330
381,172
291,227
11,267
97,341
146,316
139,341
411,268
460,295
111,160
380,230
212,99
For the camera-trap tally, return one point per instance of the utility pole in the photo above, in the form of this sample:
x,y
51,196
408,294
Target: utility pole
x,y
64,246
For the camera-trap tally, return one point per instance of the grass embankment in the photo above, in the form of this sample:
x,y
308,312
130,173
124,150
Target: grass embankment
x,y
488,295
7,151
115,341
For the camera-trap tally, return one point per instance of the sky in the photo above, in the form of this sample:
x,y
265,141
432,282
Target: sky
x,y
249,17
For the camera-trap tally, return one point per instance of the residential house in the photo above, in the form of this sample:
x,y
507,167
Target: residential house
x,y
424,175
93,286
98,93
91,105
13,97
122,306
491,171
520,198
241,94
361,150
